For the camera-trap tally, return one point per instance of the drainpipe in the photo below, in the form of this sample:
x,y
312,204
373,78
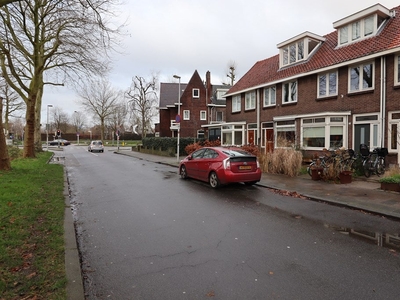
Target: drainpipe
x,y
383,100
258,118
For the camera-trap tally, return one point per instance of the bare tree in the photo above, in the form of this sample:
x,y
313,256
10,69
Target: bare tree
x,y
231,73
5,163
50,43
78,121
100,100
118,118
60,119
142,99
13,105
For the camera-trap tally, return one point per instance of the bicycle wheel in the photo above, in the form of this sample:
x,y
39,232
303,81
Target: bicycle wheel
x,y
367,170
309,168
380,166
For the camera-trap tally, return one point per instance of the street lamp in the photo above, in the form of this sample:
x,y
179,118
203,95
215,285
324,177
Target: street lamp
x,y
90,134
178,117
77,119
47,127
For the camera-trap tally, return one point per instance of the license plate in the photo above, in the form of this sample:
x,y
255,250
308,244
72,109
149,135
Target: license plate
x,y
244,167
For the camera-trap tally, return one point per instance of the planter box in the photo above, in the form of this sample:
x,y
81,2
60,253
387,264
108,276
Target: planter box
x,y
316,174
345,177
395,187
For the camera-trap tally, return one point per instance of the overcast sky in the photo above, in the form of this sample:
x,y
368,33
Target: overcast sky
x,y
180,36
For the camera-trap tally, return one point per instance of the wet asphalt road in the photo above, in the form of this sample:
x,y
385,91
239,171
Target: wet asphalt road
x,y
143,233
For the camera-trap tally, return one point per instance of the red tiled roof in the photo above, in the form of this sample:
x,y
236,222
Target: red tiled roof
x,y
327,55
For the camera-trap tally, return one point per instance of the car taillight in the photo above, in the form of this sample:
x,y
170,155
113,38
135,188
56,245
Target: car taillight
x,y
258,165
227,164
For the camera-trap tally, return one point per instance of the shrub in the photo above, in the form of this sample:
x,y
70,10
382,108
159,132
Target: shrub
x,y
286,161
14,152
391,176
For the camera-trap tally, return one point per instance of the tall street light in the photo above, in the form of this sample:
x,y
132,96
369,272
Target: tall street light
x,y
178,117
47,127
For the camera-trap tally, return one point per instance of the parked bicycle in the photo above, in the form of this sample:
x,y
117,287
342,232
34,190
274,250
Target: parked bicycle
x,y
373,162
333,161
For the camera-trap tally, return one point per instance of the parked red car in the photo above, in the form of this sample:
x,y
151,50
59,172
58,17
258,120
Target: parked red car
x,y
221,165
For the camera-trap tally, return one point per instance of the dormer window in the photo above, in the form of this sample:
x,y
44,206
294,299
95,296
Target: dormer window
x,y
361,25
298,48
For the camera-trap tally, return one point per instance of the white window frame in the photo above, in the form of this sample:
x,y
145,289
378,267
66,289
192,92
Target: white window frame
x,y
327,125
393,122
236,103
397,69
250,100
186,115
345,33
270,96
327,84
196,93
221,113
361,77
290,87
233,134
203,115
284,126
374,135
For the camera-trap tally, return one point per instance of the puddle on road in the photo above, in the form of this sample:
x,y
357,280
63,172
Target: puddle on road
x,y
380,239
57,160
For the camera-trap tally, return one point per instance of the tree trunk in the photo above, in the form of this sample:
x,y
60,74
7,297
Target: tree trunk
x,y
5,163
38,114
29,135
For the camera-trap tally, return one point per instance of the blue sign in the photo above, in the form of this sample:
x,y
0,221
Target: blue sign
x,y
178,119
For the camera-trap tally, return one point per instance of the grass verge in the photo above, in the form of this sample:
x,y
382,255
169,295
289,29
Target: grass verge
x,y
31,230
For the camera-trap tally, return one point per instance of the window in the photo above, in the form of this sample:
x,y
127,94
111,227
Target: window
x,y
250,100
203,115
361,77
236,103
359,29
232,135
270,96
289,92
327,84
293,53
343,35
394,131
200,135
220,94
186,114
196,93
323,132
219,116
285,133
397,69
355,31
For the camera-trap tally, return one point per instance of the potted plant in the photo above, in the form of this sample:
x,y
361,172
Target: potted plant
x,y
317,170
390,183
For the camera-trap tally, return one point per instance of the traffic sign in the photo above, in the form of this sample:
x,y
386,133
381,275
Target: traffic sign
x,y
178,119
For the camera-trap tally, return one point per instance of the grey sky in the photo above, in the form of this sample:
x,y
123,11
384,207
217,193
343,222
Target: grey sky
x,y
178,37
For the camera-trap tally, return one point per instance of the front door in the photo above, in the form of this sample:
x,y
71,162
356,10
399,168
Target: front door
x,y
361,135
250,137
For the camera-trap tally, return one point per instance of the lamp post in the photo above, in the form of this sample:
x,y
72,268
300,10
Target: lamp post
x,y
90,135
47,127
77,119
178,117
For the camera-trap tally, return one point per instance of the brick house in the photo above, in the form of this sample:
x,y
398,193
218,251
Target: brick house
x,y
200,103
337,90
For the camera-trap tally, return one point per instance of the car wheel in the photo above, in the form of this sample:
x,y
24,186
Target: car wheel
x,y
183,172
213,180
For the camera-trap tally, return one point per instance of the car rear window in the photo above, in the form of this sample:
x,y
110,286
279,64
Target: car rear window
x,y
236,153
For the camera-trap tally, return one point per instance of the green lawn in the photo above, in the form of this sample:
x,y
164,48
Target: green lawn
x,y
31,230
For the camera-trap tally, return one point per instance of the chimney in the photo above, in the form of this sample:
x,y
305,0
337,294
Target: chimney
x,y
208,86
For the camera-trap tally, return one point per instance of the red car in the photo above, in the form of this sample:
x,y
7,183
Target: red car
x,y
221,165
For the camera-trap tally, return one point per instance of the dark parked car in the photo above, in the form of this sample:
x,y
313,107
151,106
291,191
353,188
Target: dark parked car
x,y
60,142
221,165
96,146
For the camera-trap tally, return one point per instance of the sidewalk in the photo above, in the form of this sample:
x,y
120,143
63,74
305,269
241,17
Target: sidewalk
x,y
361,194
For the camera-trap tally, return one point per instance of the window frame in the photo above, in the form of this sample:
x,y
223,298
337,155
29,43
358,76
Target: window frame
x,y
361,88
236,103
290,84
203,115
271,91
393,122
186,115
196,93
327,84
250,100
397,69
